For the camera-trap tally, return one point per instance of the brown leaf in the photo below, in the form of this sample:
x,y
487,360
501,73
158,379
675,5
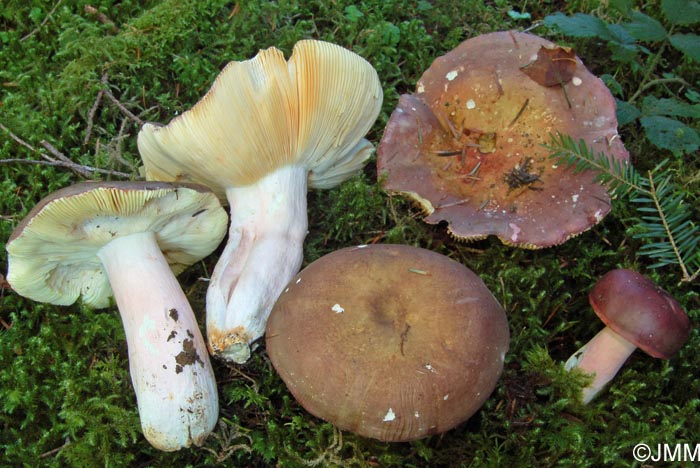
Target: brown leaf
x,y
553,66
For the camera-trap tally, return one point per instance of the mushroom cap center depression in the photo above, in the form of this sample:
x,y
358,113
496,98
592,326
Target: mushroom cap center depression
x,y
391,342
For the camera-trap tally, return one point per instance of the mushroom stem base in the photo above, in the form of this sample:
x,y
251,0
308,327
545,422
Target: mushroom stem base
x,y
602,356
263,252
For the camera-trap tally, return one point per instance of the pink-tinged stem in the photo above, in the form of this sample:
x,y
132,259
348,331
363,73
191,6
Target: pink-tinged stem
x,y
170,369
602,356
263,252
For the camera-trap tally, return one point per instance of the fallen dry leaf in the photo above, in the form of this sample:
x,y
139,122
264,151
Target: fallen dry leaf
x,y
553,66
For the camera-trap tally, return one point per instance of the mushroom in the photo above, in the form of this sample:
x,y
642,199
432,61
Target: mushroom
x,y
636,314
265,131
467,146
129,239
388,341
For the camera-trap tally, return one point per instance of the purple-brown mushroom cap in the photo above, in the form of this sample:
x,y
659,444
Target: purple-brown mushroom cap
x,y
391,342
641,312
468,144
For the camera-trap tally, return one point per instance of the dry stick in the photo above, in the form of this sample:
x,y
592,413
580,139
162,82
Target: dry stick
x,y
56,450
46,19
91,116
62,161
62,157
101,17
121,107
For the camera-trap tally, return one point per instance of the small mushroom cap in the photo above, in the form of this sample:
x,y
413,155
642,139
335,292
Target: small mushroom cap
x,y
52,253
392,342
641,312
265,113
468,144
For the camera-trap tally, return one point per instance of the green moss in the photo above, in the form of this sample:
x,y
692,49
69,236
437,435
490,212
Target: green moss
x,y
65,392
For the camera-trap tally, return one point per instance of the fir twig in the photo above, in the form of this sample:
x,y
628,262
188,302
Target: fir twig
x,y
670,235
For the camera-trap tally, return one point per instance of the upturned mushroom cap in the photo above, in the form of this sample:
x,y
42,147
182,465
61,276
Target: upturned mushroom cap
x,y
266,113
467,145
389,341
52,253
641,312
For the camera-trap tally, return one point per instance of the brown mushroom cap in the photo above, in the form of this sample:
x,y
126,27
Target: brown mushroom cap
x,y
388,341
467,145
641,312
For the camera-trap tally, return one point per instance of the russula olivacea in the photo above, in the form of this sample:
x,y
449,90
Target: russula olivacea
x,y
95,240
388,341
265,131
637,314
468,145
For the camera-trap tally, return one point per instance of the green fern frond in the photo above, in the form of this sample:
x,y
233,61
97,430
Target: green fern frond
x,y
666,227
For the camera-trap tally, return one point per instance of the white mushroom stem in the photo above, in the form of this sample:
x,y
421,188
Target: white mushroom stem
x,y
263,252
170,369
602,356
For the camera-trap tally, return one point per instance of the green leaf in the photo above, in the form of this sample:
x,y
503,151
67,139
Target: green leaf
x,y
516,15
424,6
669,107
353,14
613,85
670,134
623,6
681,11
620,35
689,44
626,113
693,96
645,28
579,25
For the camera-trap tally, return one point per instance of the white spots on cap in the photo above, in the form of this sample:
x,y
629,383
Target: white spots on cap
x,y
337,309
298,281
451,75
471,104
286,290
430,368
416,414
389,416
574,198
447,395
361,246
598,215
576,81
420,88
503,356
516,231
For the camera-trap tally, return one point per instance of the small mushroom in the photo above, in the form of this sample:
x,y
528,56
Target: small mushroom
x,y
266,130
467,146
636,314
129,239
391,342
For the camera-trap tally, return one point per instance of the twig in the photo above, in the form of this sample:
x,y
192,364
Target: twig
x,y
56,450
46,19
62,161
667,228
16,138
101,17
121,107
93,110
